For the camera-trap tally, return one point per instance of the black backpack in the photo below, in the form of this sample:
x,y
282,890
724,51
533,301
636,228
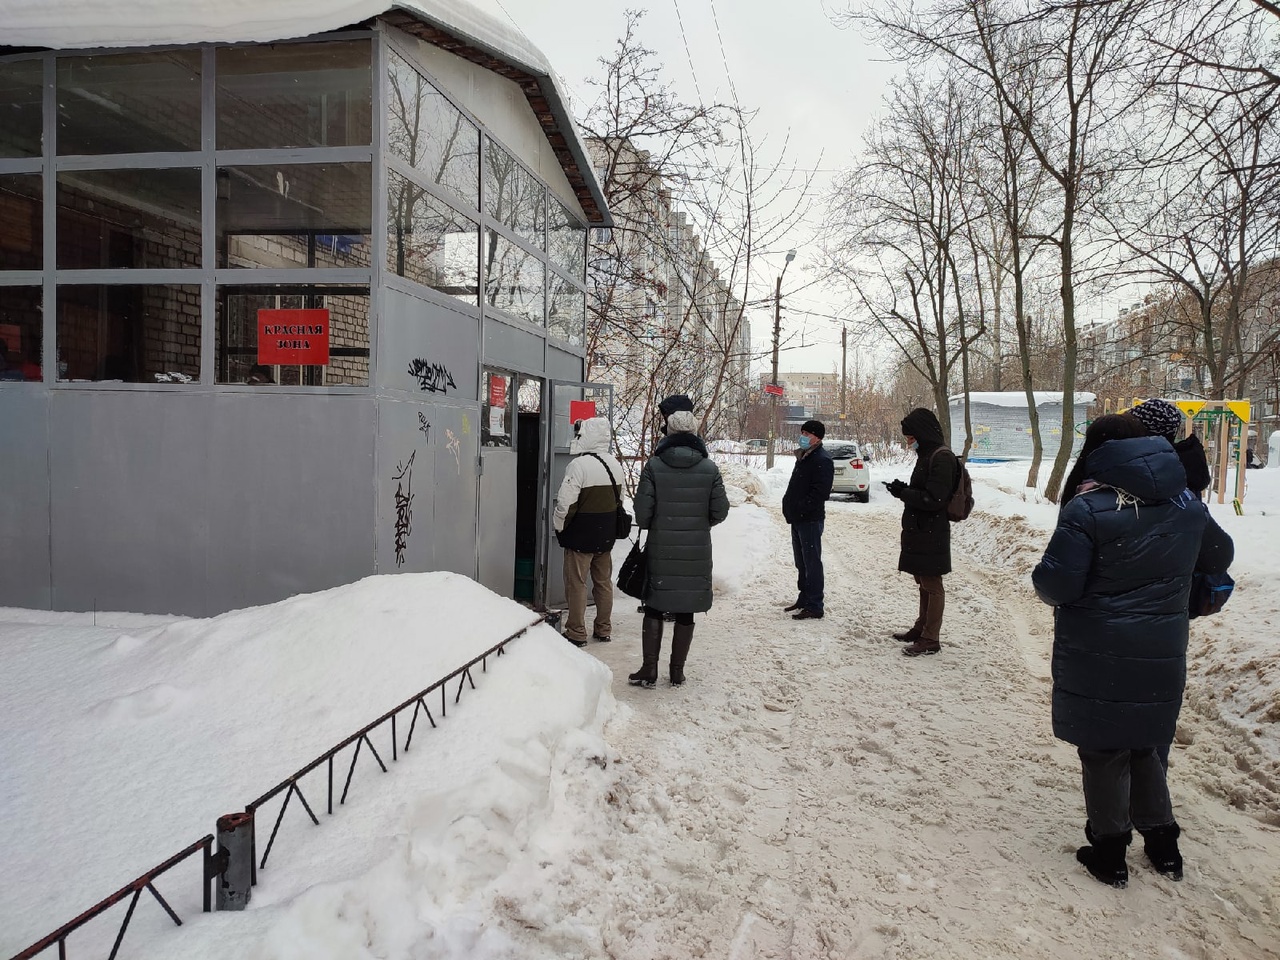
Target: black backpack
x,y
961,503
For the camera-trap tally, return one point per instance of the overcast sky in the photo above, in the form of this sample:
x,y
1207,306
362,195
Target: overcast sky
x,y
807,77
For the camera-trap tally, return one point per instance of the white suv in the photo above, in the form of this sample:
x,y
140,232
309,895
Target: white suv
x,y
852,476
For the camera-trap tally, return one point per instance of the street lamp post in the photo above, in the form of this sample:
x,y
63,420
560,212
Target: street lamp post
x,y
777,332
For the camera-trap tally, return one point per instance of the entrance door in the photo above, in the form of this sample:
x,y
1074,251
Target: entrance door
x,y
560,411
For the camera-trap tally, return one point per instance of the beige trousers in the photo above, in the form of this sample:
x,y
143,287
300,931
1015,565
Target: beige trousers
x,y
577,568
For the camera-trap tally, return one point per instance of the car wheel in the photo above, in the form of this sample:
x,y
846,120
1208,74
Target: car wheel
x,y
863,497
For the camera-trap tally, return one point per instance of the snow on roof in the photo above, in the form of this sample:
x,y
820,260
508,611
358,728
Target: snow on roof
x,y
1018,398
82,24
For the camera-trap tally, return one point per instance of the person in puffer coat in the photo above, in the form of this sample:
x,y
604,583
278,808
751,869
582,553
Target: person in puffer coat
x,y
1117,572
679,499
926,531
586,525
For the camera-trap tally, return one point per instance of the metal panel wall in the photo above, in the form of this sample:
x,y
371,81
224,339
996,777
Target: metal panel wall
x,y
290,503
497,522
198,503
24,507
512,348
564,366
426,349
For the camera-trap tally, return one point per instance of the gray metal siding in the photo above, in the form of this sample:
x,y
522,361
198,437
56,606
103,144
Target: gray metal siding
x,y
24,508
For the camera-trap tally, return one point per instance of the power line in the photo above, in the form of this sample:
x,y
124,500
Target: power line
x,y
720,37
687,52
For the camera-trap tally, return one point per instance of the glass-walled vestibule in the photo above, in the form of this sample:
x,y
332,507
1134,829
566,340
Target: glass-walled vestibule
x,y
227,214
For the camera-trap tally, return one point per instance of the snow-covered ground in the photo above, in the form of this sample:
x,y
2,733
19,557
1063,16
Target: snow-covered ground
x,y
809,793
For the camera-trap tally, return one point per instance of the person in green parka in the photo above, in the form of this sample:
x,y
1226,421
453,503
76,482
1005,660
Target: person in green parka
x,y
679,499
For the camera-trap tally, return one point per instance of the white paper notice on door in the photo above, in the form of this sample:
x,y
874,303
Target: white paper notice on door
x,y
498,421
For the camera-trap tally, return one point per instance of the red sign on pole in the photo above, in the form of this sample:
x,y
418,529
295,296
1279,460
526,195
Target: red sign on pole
x,y
293,336
773,388
581,410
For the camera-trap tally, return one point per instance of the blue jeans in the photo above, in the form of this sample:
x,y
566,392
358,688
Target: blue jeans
x,y
806,544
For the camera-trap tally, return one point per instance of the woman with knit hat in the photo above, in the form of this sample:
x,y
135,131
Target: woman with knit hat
x,y
1162,419
926,531
679,499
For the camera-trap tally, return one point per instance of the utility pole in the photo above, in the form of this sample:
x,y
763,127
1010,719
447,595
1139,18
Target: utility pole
x,y
844,380
777,335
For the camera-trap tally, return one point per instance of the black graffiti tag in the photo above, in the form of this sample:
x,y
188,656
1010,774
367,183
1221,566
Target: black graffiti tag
x,y
424,425
431,376
404,506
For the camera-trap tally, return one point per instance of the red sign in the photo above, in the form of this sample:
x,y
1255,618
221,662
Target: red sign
x,y
774,388
497,391
293,336
581,410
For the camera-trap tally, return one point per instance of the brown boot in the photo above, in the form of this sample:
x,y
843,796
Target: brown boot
x,y
908,636
921,647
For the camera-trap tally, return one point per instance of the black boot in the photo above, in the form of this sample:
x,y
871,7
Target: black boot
x,y
1104,857
651,647
1161,847
681,637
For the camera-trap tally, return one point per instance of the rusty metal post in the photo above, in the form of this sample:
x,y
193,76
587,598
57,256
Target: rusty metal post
x,y
235,861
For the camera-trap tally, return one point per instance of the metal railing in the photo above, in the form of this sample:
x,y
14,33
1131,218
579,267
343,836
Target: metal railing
x,y
144,882
360,738
214,864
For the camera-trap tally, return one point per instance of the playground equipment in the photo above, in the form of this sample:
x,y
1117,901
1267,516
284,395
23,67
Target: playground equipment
x,y
1226,432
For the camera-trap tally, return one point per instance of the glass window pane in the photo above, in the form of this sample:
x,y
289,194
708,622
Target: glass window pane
x,y
21,108
566,240
496,410
295,215
21,222
566,311
288,339
129,103
513,196
295,95
129,218
133,333
430,243
514,279
430,134
21,332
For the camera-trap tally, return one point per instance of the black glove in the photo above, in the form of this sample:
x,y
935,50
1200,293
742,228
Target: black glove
x,y
896,488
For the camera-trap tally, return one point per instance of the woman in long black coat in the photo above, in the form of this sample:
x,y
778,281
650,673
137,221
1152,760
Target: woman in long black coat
x,y
1118,573
926,531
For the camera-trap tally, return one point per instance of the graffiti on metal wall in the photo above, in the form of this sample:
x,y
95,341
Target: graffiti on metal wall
x,y
404,506
424,425
454,446
433,377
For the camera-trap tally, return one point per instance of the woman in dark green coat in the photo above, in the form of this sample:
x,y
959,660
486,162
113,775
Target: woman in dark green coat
x,y
679,499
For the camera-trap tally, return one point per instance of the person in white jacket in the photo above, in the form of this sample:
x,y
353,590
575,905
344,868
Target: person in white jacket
x,y
586,523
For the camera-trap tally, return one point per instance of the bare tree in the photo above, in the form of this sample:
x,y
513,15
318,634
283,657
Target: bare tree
x,y
898,231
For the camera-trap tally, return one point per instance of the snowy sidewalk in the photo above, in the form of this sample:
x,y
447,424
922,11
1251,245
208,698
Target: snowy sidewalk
x,y
811,793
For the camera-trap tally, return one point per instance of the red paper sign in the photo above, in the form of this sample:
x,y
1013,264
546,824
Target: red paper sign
x,y
497,391
293,336
581,410
774,388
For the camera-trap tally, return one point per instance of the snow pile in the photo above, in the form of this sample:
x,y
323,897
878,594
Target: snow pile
x,y
175,725
741,482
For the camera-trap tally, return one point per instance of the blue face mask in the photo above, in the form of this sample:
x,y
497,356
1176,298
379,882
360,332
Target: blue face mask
x,y
915,444
803,442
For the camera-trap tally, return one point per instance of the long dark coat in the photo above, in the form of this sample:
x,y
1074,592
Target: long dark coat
x,y
1118,573
679,499
926,531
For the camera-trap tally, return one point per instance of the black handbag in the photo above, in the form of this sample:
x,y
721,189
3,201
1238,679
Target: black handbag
x,y
634,572
1209,593
623,520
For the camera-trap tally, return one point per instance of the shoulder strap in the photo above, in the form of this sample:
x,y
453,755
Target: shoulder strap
x,y
617,494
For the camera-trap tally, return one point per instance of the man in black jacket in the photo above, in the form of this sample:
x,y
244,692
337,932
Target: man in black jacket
x,y
804,506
